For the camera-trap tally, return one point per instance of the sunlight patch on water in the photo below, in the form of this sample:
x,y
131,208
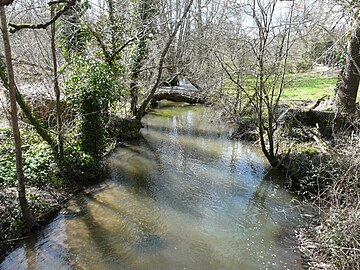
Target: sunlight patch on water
x,y
181,197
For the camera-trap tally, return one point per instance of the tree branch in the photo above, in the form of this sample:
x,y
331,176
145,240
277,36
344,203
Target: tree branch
x,y
101,44
56,2
162,61
122,47
17,27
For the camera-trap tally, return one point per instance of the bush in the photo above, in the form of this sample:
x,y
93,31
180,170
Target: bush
x,y
7,160
308,169
80,166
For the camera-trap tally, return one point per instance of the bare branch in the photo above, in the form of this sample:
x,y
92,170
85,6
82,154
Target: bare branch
x,y
162,60
17,27
57,2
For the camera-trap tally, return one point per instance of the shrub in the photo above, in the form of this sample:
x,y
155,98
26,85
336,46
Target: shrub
x,y
91,87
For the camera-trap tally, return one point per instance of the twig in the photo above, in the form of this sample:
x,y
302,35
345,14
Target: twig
x,y
15,239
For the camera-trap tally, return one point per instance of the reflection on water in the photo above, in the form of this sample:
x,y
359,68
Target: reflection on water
x,y
181,197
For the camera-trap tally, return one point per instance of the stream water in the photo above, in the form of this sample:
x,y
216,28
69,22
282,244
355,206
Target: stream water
x,y
182,197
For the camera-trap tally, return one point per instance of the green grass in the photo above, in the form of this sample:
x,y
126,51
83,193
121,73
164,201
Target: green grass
x,y
299,87
309,86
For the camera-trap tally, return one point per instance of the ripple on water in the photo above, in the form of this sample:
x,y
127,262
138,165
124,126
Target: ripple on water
x,y
181,197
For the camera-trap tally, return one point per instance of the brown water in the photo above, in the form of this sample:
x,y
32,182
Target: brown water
x,y
181,197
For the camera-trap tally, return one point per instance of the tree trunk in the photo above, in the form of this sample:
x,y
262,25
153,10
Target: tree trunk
x,y
349,86
28,217
57,91
6,2
42,131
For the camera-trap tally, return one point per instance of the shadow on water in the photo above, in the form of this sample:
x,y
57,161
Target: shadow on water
x,y
156,183
118,250
180,197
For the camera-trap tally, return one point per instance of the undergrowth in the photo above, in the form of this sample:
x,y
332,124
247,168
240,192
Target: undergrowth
x,y
329,174
39,164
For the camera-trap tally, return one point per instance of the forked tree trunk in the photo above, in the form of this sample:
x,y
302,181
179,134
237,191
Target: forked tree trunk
x,y
28,217
349,86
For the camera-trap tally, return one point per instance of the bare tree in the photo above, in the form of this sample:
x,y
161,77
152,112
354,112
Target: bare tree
x,y
28,216
268,42
57,90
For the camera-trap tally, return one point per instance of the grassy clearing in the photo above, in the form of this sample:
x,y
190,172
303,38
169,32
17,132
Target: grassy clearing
x,y
299,87
309,86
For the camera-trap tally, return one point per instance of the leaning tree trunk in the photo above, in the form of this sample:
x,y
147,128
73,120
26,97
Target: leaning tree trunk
x,y
28,217
348,88
164,52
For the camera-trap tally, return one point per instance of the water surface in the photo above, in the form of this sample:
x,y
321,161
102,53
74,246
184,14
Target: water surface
x,y
182,197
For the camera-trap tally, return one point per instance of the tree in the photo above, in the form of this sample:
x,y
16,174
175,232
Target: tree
x,y
28,216
268,48
57,91
74,37
57,146
349,85
145,10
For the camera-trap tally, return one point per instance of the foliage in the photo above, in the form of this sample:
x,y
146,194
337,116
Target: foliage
x,y
140,52
123,128
74,38
109,34
305,166
7,161
39,164
11,220
91,87
79,165
90,77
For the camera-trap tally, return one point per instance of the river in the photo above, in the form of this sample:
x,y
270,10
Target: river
x,y
183,196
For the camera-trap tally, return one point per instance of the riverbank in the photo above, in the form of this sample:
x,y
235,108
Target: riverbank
x,y
44,203
332,240
47,189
